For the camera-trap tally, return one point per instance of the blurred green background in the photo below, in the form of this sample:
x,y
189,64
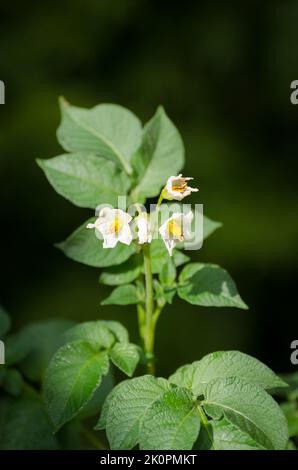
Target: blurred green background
x,y
222,70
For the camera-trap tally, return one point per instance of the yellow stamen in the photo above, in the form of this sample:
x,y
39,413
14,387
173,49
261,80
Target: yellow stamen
x,y
179,187
175,229
116,225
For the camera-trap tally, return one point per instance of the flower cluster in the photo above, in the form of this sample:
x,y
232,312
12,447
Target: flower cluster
x,y
116,225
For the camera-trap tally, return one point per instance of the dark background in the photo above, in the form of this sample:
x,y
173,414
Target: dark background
x,y
222,70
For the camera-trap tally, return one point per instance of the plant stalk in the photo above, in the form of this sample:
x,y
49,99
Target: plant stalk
x,y
205,423
149,328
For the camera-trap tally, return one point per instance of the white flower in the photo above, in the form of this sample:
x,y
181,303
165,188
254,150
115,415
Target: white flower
x,y
143,226
177,188
113,224
176,229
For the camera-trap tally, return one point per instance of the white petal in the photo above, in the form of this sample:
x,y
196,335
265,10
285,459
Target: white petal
x,y
98,224
127,217
124,217
178,196
187,220
107,212
169,183
125,235
163,230
110,241
170,245
144,228
186,192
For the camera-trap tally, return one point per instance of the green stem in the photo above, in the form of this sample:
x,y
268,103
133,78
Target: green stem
x,y
155,220
160,199
156,314
141,321
205,423
149,324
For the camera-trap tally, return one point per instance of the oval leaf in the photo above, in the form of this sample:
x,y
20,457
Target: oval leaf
x,y
249,408
123,295
127,409
83,246
96,333
123,274
117,329
108,130
125,356
72,377
161,155
209,226
86,180
171,423
228,437
208,285
222,364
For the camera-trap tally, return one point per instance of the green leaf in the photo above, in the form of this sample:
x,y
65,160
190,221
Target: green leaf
x,y
13,382
71,379
229,437
222,364
209,226
161,155
33,346
167,273
169,294
171,423
160,256
96,333
17,347
123,274
94,405
4,322
107,130
201,227
86,180
127,408
179,258
208,285
123,295
83,246
43,339
117,329
125,356
248,407
291,392
163,294
24,425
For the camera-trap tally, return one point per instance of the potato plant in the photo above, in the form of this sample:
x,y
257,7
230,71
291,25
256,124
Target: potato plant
x,y
61,372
